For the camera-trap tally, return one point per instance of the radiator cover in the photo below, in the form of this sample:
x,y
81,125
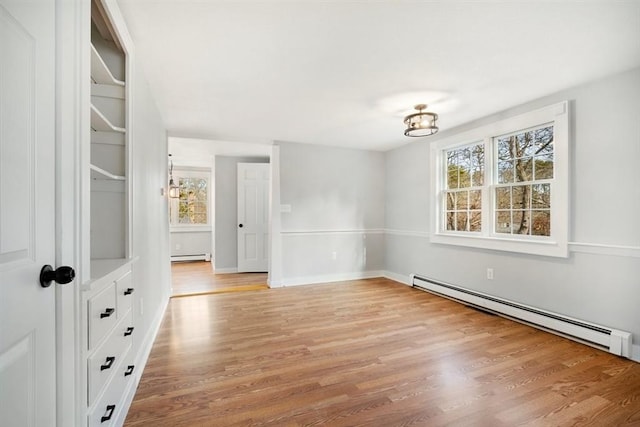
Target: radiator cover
x,y
611,340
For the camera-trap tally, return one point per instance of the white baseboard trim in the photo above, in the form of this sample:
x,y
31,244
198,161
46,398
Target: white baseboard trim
x,y
635,352
400,278
328,278
225,270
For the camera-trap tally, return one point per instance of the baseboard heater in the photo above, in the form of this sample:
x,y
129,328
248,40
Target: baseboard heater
x,y
611,340
197,257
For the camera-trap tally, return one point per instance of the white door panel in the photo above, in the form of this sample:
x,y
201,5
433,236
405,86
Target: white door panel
x,y
253,216
27,144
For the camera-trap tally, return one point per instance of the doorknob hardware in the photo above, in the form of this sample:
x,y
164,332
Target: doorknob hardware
x,y
240,225
108,312
107,415
107,363
61,275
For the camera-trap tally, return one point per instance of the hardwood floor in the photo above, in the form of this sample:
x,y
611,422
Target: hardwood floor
x,y
196,277
371,353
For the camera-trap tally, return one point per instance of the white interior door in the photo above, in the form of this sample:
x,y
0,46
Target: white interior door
x,y
27,239
253,217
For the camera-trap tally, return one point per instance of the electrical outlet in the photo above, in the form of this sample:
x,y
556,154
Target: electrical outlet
x,y
490,273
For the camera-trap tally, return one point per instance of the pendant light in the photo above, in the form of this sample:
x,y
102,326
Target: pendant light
x,y
422,123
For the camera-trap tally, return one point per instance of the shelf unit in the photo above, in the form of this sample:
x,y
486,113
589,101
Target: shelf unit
x,y
109,176
108,291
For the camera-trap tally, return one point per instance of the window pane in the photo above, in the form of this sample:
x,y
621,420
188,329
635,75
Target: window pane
x,y
520,222
461,200
452,169
544,166
503,222
524,169
541,223
461,221
520,196
477,165
451,220
541,196
475,221
504,149
505,172
503,197
475,199
451,200
544,140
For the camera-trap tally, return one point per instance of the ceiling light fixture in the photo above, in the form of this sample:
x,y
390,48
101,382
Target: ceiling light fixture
x,y
422,123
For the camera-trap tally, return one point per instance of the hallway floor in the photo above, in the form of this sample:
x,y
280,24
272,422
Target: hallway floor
x,y
197,277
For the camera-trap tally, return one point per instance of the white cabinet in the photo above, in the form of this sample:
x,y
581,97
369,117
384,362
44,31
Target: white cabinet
x,y
108,290
111,334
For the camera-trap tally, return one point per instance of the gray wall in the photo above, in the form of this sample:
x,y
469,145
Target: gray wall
x,y
600,281
225,256
335,228
151,273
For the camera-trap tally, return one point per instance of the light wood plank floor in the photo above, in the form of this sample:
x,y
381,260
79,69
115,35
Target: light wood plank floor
x,y
371,353
192,277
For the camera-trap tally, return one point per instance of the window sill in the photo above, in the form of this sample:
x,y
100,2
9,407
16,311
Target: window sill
x,y
526,246
189,228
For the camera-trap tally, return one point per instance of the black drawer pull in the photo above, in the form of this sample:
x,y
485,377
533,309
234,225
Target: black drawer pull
x,y
108,414
128,291
108,312
107,363
129,331
129,370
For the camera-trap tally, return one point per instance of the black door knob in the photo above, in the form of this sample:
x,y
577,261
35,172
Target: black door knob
x,y
240,225
61,275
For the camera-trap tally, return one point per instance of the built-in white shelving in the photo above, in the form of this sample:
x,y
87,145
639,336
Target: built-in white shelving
x,y
98,173
100,123
100,73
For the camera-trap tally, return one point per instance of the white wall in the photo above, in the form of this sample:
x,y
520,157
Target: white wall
x,y
150,228
334,230
225,255
600,281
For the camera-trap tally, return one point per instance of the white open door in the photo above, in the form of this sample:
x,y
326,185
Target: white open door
x,y
253,217
27,206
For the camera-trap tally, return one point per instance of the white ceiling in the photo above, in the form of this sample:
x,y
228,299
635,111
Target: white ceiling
x,y
344,73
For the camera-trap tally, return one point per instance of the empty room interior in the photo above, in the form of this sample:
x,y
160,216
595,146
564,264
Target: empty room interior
x,y
337,213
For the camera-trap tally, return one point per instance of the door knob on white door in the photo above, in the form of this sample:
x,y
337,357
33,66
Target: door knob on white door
x,y
61,275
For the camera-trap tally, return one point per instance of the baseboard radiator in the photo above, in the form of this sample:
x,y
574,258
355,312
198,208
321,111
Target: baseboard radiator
x,y
196,257
611,340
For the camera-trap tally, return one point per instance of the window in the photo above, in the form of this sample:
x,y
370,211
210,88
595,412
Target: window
x,y
192,207
504,186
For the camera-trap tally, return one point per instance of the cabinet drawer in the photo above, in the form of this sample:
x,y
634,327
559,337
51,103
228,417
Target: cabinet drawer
x,y
107,409
102,314
108,358
124,289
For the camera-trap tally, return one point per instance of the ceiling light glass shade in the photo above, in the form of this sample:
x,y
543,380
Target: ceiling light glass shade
x,y
422,123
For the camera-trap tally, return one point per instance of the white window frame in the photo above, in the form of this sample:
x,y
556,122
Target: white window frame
x,y
191,172
555,245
